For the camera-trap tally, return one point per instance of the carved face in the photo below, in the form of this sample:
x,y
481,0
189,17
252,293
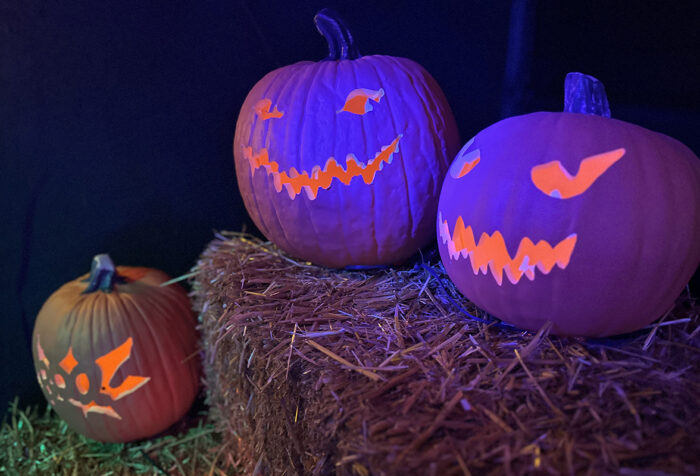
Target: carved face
x,y
340,162
573,218
61,384
117,363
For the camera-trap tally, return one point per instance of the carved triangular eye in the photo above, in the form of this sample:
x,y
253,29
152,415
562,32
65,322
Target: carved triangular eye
x,y
357,101
465,161
554,180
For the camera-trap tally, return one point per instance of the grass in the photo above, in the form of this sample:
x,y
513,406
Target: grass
x,y
35,441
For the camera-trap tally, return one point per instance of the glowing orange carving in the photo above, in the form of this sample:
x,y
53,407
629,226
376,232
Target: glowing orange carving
x,y
110,363
294,182
262,109
465,161
93,407
68,363
468,166
40,353
554,180
83,383
491,253
357,101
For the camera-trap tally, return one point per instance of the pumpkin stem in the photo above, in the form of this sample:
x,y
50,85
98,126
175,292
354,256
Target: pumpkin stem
x,y
584,94
340,43
103,275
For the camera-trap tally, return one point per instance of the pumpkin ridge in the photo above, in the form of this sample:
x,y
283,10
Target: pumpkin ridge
x,y
144,328
374,198
339,218
315,73
166,300
298,75
409,205
423,92
271,86
113,317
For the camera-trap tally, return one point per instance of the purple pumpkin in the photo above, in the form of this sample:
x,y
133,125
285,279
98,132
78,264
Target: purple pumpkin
x,y
340,162
573,217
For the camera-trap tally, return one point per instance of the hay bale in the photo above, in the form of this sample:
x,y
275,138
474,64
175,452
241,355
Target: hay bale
x,y
316,371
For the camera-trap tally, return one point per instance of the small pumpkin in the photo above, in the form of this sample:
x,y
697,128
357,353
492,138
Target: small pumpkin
x,y
116,354
572,217
340,162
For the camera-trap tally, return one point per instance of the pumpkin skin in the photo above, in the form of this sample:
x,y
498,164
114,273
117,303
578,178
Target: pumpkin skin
x,y
620,245
340,162
119,363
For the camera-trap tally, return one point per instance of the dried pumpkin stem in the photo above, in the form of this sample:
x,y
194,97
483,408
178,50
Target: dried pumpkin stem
x,y
584,94
103,275
341,46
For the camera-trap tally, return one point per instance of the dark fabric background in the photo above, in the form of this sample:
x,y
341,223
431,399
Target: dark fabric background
x,y
116,118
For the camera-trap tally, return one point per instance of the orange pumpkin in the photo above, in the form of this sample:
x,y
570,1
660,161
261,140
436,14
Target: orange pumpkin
x,y
116,353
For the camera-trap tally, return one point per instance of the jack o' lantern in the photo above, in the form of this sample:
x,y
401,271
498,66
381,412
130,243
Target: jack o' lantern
x,y
340,162
116,354
573,217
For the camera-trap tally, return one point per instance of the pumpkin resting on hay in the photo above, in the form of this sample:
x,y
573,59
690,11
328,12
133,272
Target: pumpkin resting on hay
x,y
340,162
314,371
573,217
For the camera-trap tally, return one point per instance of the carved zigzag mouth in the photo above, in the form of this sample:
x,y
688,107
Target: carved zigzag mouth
x,y
294,182
491,253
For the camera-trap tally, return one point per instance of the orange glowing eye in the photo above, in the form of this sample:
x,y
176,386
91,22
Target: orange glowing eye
x,y
554,180
68,363
110,363
357,101
262,109
465,161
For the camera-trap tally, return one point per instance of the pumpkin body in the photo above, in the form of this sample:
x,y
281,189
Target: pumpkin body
x,y
586,221
340,162
120,365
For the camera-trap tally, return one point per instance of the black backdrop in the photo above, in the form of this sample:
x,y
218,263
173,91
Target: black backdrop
x,y
116,118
